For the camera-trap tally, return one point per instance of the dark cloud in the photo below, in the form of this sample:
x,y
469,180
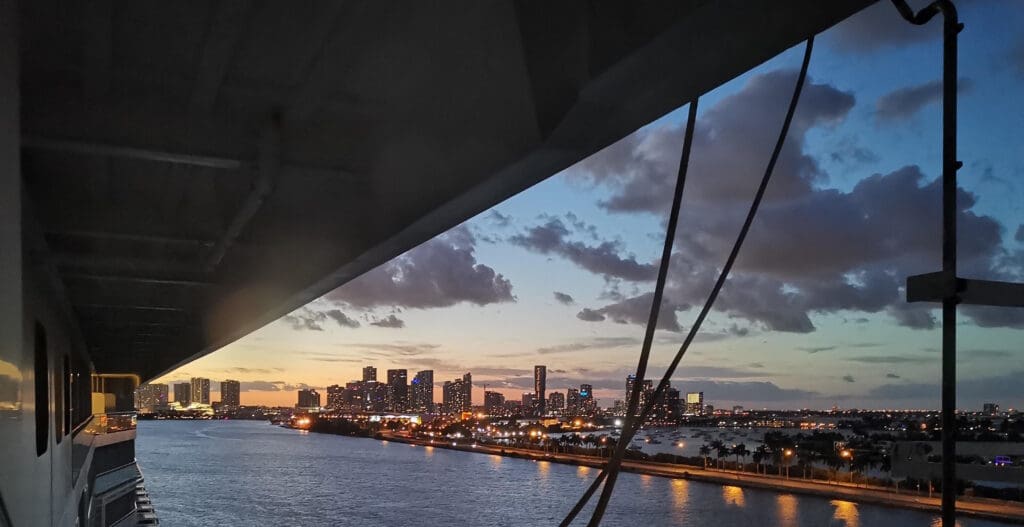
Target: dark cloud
x,y
878,27
498,219
605,258
563,298
439,273
395,349
889,359
816,349
1019,236
589,315
305,319
970,392
271,386
904,102
390,321
591,344
891,376
849,378
342,319
812,250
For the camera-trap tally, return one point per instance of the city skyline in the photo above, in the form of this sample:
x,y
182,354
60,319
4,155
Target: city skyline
x,y
813,315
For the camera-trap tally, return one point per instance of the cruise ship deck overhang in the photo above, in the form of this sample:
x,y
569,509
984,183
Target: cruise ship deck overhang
x,y
194,170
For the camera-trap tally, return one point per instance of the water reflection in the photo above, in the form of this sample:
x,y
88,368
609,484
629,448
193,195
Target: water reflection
x,y
582,471
937,522
430,451
496,461
543,469
846,512
787,510
680,490
733,496
645,481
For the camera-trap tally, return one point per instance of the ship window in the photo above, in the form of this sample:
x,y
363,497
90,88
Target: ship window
x,y
58,402
68,403
42,402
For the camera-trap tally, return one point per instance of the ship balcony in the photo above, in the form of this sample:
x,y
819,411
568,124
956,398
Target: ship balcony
x,y
104,453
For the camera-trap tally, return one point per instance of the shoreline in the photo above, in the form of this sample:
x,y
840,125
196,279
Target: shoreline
x,y
975,508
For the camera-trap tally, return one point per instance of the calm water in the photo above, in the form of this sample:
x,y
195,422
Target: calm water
x,y
202,473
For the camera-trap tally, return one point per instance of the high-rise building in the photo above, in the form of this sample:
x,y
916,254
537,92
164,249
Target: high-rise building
x,y
183,393
694,403
200,390
369,373
646,391
355,396
737,410
556,402
422,391
150,397
457,395
529,403
230,395
990,408
573,405
308,399
376,396
494,402
588,404
398,390
540,382
335,397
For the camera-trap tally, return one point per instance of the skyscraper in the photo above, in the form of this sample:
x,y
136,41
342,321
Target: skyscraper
x,y
200,390
230,394
183,393
398,390
556,402
308,399
467,392
645,391
695,403
149,397
572,402
335,397
588,405
369,373
422,391
494,402
457,395
540,381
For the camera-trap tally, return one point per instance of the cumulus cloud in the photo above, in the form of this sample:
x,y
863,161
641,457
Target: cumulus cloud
x,y
563,298
605,258
305,319
812,249
271,386
904,102
390,321
342,319
441,272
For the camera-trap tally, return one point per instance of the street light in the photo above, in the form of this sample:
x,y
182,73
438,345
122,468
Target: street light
x,y
788,453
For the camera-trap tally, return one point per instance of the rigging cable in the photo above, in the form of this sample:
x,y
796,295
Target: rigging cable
x,y
630,427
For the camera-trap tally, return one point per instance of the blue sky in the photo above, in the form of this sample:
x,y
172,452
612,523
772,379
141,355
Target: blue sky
x,y
813,315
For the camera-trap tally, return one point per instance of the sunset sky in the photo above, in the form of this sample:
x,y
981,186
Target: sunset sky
x,y
813,314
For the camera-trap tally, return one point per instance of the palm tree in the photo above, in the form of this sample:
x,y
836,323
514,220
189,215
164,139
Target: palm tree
x,y
761,453
722,450
705,451
739,451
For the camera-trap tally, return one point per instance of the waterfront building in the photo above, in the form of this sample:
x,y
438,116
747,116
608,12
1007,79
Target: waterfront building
x,y
573,405
737,410
990,408
556,402
335,397
422,391
354,398
230,395
694,403
398,390
308,399
529,403
646,391
588,404
150,397
375,398
183,393
494,402
369,374
200,390
540,381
